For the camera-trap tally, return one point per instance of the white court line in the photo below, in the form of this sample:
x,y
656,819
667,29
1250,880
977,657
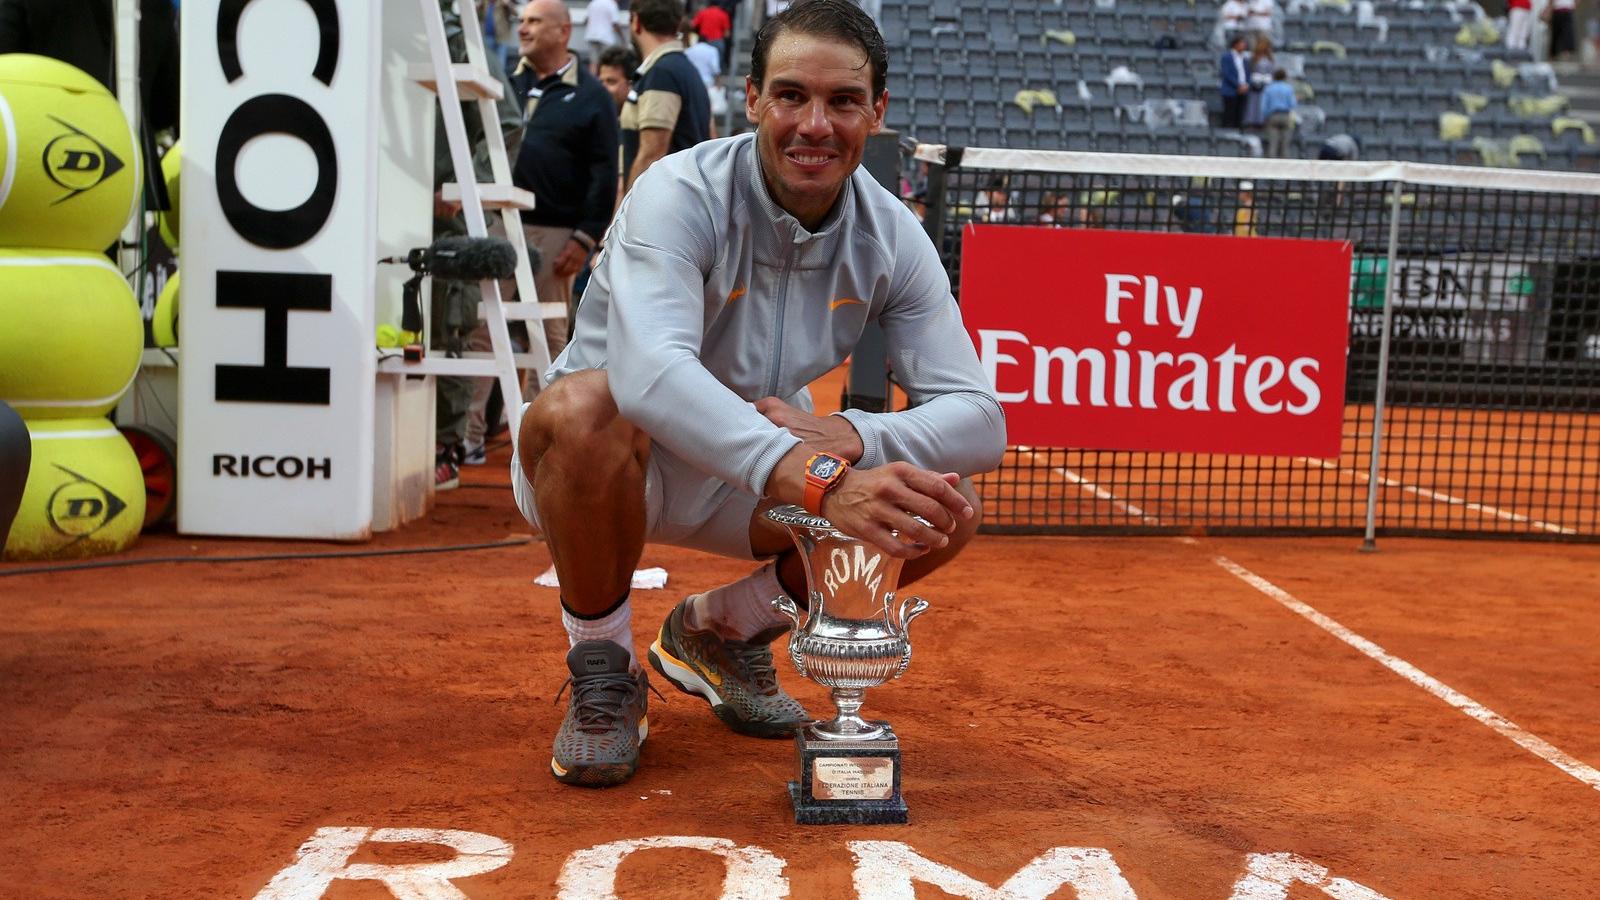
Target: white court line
x,y
1090,487
1483,715
1443,497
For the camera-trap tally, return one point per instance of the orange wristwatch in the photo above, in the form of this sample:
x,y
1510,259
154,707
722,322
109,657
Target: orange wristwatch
x,y
823,473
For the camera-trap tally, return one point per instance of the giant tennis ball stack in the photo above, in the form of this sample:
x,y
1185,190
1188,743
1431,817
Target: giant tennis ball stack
x,y
85,493
171,163
70,332
70,153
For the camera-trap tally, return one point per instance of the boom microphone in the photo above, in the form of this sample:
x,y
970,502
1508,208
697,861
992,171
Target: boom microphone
x,y
462,258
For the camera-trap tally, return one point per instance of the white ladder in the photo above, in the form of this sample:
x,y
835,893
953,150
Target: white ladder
x,y
454,82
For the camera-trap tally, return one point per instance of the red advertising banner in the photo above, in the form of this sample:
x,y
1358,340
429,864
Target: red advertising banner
x,y
1122,340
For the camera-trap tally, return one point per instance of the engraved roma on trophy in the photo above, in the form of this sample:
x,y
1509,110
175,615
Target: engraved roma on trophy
x,y
852,637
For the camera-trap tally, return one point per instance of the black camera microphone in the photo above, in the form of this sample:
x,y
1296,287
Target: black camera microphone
x,y
462,258
457,258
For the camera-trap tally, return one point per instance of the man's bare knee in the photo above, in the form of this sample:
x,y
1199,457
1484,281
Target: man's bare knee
x,y
577,413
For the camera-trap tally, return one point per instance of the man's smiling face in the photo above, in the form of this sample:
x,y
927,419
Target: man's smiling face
x,y
813,116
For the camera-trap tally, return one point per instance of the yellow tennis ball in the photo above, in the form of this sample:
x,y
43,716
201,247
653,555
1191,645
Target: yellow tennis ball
x,y
388,336
171,163
70,334
70,155
85,493
164,322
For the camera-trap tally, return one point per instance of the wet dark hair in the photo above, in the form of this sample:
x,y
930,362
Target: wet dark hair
x,y
840,20
659,16
619,57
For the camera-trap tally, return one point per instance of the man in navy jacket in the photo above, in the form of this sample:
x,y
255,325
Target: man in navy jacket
x,y
1234,71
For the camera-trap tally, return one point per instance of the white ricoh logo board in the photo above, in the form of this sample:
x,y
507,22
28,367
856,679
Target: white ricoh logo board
x,y
279,201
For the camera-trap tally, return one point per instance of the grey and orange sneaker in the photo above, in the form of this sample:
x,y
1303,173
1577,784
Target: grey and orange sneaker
x,y
736,677
598,744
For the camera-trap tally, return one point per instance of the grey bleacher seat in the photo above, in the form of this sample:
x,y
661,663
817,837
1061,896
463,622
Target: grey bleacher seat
x,y
1434,150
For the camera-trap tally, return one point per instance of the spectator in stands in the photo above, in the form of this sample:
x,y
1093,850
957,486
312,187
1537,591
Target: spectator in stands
x,y
500,29
602,28
568,157
1234,82
617,65
669,109
1259,22
1340,147
1563,30
993,204
1058,209
1244,215
1277,109
1519,22
917,202
1233,14
1192,213
1262,64
708,62
713,25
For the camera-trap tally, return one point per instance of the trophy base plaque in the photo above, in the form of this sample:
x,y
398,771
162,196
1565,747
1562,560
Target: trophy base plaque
x,y
854,782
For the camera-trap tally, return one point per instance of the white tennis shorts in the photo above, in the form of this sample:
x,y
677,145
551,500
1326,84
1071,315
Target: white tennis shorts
x,y
684,506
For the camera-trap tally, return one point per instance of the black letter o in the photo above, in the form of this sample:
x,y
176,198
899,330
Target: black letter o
x,y
276,114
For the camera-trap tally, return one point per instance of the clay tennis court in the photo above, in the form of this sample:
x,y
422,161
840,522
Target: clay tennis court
x,y
1199,716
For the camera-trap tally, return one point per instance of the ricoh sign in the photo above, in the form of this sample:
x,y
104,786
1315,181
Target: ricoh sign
x,y
277,313
1168,342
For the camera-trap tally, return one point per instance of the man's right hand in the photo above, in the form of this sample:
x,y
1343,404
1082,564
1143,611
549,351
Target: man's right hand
x,y
873,504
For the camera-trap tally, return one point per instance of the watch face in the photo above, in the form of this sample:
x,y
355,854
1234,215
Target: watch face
x,y
825,467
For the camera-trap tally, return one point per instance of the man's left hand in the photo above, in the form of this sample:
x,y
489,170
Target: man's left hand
x,y
834,434
570,260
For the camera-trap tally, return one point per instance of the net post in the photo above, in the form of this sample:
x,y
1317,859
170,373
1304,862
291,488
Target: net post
x,y
934,215
1369,543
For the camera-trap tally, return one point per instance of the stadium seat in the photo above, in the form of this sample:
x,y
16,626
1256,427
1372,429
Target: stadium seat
x,y
957,68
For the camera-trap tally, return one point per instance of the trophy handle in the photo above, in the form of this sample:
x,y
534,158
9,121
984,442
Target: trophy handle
x,y
785,604
910,608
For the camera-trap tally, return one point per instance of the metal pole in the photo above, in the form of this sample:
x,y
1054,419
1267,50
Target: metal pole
x,y
1370,543
127,81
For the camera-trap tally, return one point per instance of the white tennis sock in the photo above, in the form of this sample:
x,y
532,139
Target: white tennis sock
x,y
743,609
615,625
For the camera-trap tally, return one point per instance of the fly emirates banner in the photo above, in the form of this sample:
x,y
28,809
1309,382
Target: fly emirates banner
x,y
1120,340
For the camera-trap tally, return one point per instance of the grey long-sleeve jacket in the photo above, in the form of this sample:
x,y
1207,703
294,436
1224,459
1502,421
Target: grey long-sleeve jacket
x,y
708,297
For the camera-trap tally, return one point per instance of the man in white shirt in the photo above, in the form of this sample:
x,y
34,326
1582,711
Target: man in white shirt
x,y
1259,21
1233,14
601,29
708,62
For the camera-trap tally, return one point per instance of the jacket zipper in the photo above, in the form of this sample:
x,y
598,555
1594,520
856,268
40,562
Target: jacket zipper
x,y
777,332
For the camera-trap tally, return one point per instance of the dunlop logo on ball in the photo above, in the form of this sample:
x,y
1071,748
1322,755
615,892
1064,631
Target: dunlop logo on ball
x,y
78,162
81,507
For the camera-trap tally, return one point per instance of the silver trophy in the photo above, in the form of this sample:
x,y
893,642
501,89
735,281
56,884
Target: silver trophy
x,y
852,637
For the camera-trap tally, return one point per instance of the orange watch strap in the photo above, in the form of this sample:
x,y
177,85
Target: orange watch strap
x,y
817,488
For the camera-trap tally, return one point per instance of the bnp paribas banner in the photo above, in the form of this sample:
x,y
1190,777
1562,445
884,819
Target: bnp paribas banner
x,y
1121,340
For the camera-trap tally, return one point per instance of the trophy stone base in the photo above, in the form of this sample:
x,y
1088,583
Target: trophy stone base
x,y
848,782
